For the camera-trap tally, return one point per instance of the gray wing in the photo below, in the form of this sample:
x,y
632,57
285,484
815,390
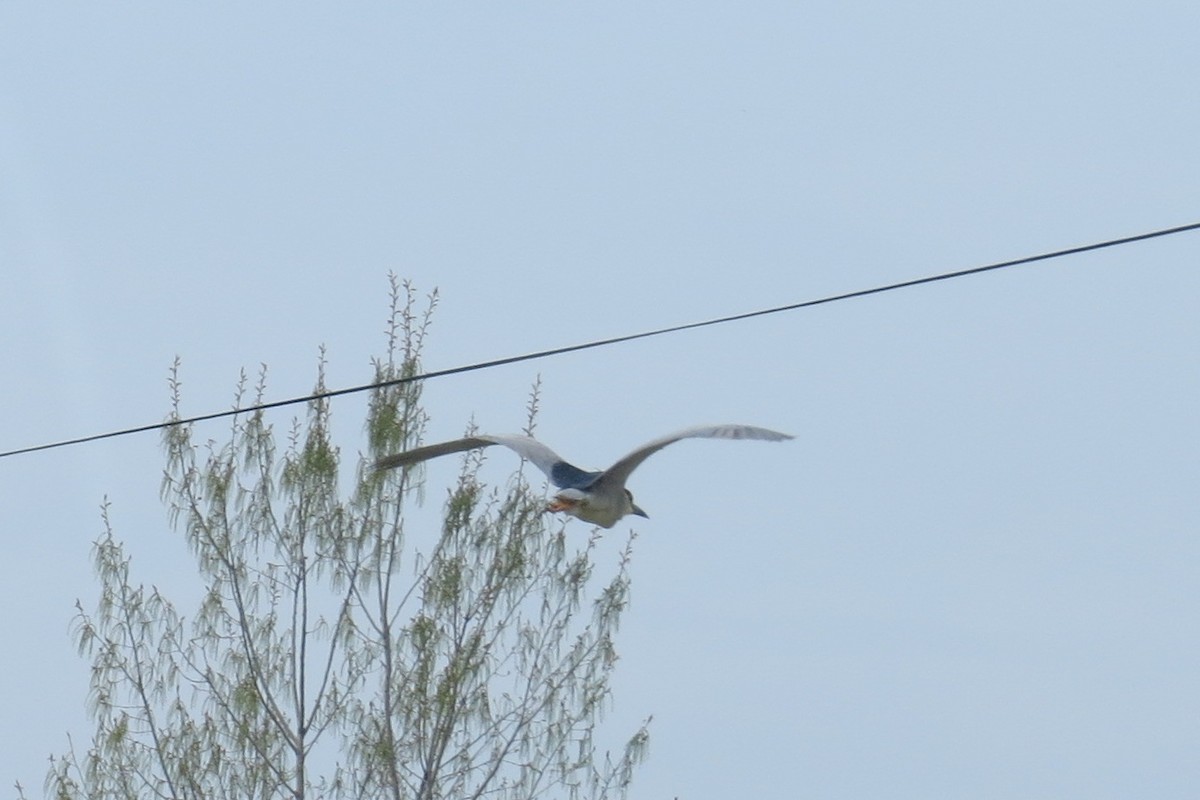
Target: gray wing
x,y
532,450
619,472
416,456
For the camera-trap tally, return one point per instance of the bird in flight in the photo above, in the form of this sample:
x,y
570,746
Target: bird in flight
x,y
598,497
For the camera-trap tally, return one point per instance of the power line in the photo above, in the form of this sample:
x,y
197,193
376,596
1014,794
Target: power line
x,y
499,362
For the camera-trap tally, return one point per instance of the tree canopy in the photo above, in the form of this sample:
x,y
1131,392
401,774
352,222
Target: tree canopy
x,y
338,651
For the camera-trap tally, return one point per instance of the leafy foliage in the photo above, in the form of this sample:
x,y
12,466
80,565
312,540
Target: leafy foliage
x,y
331,657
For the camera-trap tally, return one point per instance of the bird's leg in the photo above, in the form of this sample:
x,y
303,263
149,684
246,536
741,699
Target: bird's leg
x,y
561,504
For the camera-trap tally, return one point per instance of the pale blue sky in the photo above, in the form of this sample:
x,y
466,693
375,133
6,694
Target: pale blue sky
x,y
973,574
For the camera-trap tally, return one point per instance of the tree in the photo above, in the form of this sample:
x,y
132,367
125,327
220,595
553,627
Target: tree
x,y
335,655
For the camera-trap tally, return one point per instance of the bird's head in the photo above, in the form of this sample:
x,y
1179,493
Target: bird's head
x,y
633,507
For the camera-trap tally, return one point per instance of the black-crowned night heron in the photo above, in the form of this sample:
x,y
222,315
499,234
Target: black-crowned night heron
x,y
596,497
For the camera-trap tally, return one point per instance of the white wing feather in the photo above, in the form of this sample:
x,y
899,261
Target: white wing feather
x,y
529,449
620,471
545,459
541,456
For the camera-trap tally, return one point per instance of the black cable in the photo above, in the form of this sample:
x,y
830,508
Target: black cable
x,y
499,362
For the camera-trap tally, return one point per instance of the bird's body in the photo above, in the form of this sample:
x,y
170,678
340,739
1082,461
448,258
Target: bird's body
x,y
598,497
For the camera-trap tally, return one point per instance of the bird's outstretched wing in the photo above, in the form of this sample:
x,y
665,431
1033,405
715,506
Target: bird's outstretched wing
x,y
417,455
619,472
561,473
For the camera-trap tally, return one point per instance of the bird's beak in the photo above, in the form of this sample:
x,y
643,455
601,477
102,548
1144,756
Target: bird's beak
x,y
639,512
